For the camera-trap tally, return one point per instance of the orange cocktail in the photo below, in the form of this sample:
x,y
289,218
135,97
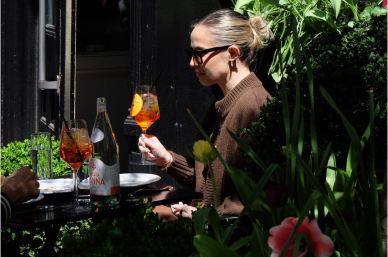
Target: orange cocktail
x,y
145,108
145,111
75,147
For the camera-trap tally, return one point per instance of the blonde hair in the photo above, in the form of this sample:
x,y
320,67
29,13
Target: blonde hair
x,y
228,27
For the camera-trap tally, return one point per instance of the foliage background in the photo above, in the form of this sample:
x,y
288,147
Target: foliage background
x,y
347,65
17,154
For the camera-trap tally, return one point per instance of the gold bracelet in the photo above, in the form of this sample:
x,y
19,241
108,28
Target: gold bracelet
x,y
169,159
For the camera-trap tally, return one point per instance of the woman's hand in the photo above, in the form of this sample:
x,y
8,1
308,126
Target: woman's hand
x,y
21,185
186,210
152,150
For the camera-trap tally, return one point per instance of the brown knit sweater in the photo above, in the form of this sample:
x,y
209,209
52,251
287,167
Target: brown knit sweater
x,y
235,111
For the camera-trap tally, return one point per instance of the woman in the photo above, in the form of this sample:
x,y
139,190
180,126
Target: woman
x,y
223,46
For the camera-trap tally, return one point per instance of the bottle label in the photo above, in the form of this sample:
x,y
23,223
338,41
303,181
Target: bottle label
x,y
101,108
104,180
97,135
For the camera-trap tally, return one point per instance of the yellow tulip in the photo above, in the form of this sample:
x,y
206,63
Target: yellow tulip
x,y
203,152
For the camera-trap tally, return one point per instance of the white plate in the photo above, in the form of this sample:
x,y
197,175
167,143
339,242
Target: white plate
x,y
58,185
137,179
40,197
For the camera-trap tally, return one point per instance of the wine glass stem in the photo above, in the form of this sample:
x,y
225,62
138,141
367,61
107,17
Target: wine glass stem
x,y
75,181
143,155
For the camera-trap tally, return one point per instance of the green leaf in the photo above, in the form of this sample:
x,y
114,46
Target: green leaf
x,y
240,5
330,173
336,6
207,246
240,243
199,219
245,186
259,241
279,3
248,150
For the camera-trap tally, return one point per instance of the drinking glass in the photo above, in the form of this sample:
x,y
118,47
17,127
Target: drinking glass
x,y
145,111
41,154
75,148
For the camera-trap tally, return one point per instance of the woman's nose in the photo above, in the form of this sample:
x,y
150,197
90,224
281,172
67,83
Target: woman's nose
x,y
192,63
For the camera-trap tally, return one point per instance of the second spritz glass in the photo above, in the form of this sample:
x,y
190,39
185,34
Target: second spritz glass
x,y
145,111
75,149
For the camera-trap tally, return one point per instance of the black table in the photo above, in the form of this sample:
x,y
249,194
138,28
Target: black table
x,y
48,214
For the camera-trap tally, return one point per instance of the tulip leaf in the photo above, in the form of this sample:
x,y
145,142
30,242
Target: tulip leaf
x,y
356,142
298,241
199,219
208,247
248,150
252,198
245,186
240,243
209,214
259,241
307,207
330,173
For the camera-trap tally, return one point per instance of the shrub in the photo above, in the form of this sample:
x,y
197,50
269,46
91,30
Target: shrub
x,y
17,154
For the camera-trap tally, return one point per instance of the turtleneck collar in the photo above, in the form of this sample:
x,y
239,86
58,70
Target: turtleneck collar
x,y
224,105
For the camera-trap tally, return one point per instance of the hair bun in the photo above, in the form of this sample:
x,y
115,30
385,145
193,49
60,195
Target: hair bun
x,y
262,34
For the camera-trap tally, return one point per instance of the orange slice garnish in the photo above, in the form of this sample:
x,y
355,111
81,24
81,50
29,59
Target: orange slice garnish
x,y
137,105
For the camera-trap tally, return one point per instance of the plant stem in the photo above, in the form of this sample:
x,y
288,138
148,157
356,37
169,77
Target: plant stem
x,y
214,186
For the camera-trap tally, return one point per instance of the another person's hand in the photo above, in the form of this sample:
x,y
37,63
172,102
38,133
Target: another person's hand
x,y
186,210
153,150
21,185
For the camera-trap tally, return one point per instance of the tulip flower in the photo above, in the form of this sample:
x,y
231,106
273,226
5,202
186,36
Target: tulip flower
x,y
322,245
384,3
203,152
276,194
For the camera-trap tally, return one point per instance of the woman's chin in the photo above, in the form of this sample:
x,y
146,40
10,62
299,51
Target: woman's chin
x,y
206,83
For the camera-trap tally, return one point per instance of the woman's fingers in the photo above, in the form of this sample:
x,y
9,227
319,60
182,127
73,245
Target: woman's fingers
x,y
153,150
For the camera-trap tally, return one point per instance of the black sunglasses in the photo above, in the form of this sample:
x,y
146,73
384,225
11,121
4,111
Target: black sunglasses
x,y
199,53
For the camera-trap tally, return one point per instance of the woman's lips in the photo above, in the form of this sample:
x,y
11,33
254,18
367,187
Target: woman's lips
x,y
199,74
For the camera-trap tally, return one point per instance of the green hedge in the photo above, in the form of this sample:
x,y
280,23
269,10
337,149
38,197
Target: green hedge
x,y
17,154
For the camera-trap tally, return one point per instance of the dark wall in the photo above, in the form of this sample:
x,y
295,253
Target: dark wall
x,y
178,87
158,34
19,93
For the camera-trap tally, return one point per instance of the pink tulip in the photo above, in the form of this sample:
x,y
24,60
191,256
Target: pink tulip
x,y
321,244
384,3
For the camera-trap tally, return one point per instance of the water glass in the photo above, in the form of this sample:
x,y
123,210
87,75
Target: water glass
x,y
42,155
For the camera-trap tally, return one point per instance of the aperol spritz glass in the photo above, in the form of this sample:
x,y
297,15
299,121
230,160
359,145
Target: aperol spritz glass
x,y
145,111
75,148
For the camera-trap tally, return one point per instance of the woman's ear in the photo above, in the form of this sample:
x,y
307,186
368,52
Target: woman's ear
x,y
234,52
